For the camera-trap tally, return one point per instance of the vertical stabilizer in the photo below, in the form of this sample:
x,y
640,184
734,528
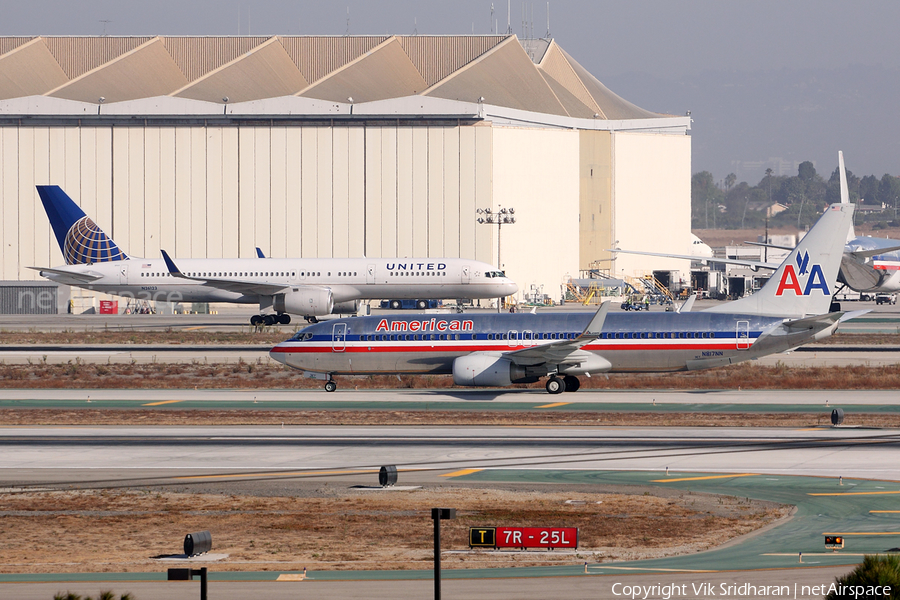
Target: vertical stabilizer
x,y
805,282
845,190
80,239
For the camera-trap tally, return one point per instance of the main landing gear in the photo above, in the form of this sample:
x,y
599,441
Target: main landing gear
x,y
269,320
569,383
330,385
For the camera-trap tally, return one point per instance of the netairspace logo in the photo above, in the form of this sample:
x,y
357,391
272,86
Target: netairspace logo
x,y
723,590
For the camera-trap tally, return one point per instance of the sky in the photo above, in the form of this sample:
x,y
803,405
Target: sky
x,y
766,79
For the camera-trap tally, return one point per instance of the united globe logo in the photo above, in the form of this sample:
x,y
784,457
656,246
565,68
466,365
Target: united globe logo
x,y
87,244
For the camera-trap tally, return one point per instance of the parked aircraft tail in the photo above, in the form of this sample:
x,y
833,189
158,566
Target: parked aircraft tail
x,y
80,239
805,282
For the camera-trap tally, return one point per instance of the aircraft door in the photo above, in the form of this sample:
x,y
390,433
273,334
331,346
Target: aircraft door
x,y
339,337
370,274
513,339
528,338
466,274
123,274
742,335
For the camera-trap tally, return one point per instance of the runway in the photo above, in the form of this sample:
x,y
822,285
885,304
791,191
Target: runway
x,y
48,455
836,476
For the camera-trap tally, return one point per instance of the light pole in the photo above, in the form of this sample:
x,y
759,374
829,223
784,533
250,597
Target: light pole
x,y
504,216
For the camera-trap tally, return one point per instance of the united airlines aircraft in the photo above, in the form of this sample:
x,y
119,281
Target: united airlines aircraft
x,y
793,307
307,287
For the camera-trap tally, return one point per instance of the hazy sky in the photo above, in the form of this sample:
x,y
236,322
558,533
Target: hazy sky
x,y
663,55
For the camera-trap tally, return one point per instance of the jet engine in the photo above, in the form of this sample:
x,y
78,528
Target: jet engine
x,y
305,301
488,368
345,308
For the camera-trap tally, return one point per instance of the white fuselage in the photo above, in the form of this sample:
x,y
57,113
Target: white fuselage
x,y
347,278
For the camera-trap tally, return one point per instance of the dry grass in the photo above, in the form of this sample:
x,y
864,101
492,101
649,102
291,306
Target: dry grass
x,y
117,530
267,375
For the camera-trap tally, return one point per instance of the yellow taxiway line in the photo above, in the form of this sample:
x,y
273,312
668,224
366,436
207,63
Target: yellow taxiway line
x,y
849,493
702,478
461,473
866,533
554,405
161,403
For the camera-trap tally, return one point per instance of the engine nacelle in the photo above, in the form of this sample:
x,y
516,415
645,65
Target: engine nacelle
x,y
487,368
345,308
306,302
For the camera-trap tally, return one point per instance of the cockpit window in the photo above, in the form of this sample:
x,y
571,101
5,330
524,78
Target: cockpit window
x,y
494,274
300,336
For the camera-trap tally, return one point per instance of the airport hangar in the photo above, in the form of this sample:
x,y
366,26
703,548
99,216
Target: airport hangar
x,y
314,146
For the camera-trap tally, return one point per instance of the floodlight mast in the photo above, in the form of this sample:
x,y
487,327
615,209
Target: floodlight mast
x,y
503,216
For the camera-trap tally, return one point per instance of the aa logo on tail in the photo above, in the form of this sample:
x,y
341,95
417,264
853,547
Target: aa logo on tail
x,y
791,278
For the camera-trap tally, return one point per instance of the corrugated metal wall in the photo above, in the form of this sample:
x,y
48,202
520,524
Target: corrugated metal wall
x,y
17,299
78,55
220,191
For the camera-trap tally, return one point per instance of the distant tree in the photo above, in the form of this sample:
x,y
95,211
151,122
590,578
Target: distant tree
x,y
806,171
705,200
868,189
729,181
889,190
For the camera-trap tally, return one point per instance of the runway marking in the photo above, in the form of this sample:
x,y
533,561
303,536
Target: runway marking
x,y
884,511
866,533
849,493
195,328
161,403
794,554
554,405
701,478
461,473
294,474
291,577
663,570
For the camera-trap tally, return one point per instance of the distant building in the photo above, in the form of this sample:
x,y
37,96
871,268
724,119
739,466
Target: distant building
x,y
338,146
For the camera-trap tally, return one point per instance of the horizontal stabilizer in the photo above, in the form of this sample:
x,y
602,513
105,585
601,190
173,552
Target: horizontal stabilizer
x,y
79,277
875,252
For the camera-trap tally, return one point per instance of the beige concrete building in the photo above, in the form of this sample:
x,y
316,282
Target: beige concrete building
x,y
338,146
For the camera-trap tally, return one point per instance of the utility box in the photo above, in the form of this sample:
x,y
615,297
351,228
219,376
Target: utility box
x,y
197,543
109,307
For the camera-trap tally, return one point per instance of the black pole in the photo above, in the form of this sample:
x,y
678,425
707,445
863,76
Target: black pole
x,y
436,515
203,583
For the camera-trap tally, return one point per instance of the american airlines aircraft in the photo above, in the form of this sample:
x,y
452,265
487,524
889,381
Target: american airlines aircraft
x,y
793,307
307,287
869,265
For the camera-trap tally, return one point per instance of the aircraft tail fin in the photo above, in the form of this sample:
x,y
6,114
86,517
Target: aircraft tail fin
x,y
80,239
805,282
845,190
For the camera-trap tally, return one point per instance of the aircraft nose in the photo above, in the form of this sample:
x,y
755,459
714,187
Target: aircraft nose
x,y
278,354
511,288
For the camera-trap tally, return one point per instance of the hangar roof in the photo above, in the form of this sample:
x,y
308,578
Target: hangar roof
x,y
500,70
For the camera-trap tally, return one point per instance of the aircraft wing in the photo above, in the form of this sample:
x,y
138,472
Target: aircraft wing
x,y
562,351
231,285
753,264
875,252
75,277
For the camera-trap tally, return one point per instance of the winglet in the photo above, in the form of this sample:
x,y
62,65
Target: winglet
x,y
170,264
845,191
688,304
596,325
259,253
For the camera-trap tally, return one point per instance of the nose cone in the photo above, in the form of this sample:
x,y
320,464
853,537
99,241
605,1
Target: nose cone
x,y
278,353
509,287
